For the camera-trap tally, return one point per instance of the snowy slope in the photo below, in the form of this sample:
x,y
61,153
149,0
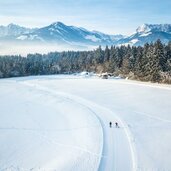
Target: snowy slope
x,y
69,117
43,131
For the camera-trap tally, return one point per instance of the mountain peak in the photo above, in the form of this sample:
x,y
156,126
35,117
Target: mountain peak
x,y
154,27
143,28
12,25
58,23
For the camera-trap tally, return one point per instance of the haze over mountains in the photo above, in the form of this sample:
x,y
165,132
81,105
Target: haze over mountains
x,y
58,36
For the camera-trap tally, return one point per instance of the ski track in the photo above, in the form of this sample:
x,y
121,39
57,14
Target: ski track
x,y
118,144
109,158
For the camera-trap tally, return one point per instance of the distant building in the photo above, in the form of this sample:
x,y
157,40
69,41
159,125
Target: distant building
x,y
104,75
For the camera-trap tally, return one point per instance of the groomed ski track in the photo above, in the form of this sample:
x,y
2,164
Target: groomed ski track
x,y
118,153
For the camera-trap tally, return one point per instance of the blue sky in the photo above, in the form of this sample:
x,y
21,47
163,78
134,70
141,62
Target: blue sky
x,y
109,16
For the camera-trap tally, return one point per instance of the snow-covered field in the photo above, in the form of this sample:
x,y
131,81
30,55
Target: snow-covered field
x,y
61,123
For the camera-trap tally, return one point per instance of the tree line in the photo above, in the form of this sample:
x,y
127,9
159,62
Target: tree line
x,y
152,62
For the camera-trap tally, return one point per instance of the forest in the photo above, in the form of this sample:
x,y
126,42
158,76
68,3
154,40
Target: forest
x,y
152,62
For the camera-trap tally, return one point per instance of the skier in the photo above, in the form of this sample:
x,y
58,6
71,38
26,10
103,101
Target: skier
x,y
110,124
116,125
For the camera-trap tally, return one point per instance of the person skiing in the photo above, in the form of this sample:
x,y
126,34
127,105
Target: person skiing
x,y
116,125
110,124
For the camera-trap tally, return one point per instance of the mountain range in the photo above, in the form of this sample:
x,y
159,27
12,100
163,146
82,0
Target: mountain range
x,y
56,33
148,33
61,34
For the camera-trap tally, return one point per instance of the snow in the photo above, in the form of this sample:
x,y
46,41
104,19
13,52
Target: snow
x,y
144,28
133,41
22,37
92,37
30,37
145,34
86,74
34,36
62,123
52,30
44,131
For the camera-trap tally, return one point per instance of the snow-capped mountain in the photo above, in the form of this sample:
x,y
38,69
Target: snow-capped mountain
x,y
154,27
13,30
59,32
81,38
148,33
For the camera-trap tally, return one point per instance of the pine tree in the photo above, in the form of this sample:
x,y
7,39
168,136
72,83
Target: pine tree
x,y
99,56
159,54
106,54
154,63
